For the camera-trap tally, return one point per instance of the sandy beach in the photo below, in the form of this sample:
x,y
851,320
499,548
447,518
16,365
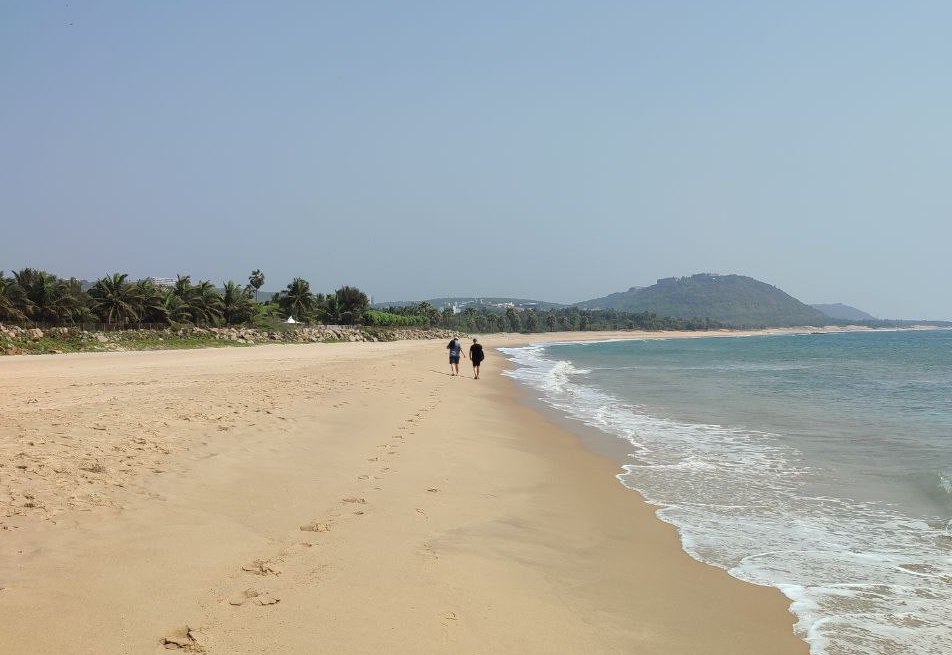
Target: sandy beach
x,y
333,498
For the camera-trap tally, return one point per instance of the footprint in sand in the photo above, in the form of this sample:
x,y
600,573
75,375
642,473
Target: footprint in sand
x,y
295,549
186,639
354,499
448,616
261,567
253,597
316,526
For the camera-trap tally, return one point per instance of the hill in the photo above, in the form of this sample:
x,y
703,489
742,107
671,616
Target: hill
x,y
844,312
734,300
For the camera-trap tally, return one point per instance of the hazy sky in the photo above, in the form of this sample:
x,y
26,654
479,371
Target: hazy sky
x,y
550,150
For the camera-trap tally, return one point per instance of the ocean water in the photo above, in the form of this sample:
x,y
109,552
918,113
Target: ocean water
x,y
820,464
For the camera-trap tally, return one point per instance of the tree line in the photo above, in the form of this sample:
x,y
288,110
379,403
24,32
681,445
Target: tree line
x,y
486,319
31,297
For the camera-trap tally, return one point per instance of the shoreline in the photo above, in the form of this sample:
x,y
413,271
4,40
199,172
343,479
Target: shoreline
x,y
351,497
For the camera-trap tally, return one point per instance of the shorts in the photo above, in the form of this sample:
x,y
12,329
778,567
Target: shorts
x,y
454,360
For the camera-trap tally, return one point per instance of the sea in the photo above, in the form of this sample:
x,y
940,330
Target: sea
x,y
819,464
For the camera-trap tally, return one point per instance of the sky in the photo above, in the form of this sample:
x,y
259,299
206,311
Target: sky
x,y
548,150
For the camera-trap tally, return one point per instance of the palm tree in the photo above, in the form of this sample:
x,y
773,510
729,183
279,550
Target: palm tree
x,y
176,308
49,299
327,309
206,305
297,299
431,313
256,281
351,304
8,306
512,318
466,319
237,305
151,299
116,301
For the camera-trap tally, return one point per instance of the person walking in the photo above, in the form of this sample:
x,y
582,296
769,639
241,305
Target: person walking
x,y
476,356
456,351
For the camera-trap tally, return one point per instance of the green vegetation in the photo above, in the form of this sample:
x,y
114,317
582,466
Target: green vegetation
x,y
145,315
34,298
733,300
843,312
484,319
388,319
76,341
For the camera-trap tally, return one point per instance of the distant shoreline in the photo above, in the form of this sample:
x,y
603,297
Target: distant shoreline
x,y
16,340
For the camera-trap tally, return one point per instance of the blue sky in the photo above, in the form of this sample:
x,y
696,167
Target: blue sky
x,y
550,150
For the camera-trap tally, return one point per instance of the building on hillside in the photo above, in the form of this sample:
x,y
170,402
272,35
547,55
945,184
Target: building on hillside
x,y
166,282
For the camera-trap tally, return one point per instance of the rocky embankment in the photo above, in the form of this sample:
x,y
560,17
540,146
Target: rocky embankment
x,y
15,340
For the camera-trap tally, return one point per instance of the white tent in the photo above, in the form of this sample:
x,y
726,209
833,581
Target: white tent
x,y
290,320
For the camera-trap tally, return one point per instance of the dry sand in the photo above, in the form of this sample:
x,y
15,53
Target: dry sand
x,y
332,498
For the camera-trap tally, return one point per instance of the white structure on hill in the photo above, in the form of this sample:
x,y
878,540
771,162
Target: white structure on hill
x,y
162,281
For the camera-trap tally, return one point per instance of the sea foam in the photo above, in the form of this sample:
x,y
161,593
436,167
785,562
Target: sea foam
x,y
862,578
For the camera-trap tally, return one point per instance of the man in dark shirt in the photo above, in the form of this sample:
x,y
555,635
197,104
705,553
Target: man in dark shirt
x,y
476,356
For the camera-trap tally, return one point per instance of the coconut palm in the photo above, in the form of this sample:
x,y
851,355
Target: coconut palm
x,y
206,305
49,299
297,299
431,313
237,305
176,308
151,299
8,306
328,309
178,300
116,301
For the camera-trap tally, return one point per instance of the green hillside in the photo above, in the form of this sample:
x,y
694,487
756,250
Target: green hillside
x,y
843,312
734,300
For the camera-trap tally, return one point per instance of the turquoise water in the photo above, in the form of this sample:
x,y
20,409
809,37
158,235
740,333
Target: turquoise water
x,y
820,464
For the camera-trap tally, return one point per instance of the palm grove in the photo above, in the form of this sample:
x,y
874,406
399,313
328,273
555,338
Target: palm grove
x,y
35,297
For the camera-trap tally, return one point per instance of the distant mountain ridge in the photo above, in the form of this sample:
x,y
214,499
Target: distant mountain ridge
x,y
734,300
844,312
731,300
